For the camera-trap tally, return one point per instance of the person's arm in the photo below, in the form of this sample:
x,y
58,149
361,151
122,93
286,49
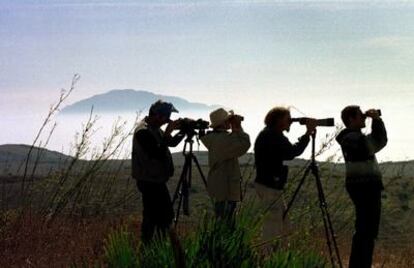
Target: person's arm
x,y
378,137
230,145
289,151
239,143
172,141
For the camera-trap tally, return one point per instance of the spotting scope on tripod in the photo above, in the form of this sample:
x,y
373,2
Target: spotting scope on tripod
x,y
191,128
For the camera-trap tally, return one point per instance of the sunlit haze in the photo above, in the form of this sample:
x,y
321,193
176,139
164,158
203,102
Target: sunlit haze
x,y
246,55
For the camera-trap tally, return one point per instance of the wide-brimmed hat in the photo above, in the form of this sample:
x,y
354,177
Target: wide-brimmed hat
x,y
161,107
219,116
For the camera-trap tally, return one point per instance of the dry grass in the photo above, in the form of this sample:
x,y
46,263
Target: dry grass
x,y
60,244
70,240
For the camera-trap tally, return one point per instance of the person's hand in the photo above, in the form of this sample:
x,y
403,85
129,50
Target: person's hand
x,y
373,113
173,125
311,124
235,122
236,119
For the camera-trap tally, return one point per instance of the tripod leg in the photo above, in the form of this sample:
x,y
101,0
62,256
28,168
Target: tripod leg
x,y
190,171
329,231
199,169
296,192
182,178
333,238
183,203
180,190
185,193
327,234
334,241
177,214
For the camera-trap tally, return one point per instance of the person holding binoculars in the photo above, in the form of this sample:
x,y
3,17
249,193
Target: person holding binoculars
x,y
363,178
224,148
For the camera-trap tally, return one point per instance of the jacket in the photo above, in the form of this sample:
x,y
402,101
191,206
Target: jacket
x,y
359,153
224,177
151,157
271,148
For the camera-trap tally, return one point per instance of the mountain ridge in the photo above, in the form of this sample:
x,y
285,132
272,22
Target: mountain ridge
x,y
19,152
130,100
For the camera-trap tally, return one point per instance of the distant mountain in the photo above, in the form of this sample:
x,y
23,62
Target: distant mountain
x,y
19,152
129,100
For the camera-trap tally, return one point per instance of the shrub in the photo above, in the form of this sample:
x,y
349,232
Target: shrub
x,y
119,249
214,243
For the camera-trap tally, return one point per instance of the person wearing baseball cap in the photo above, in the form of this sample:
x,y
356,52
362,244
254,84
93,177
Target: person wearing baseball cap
x,y
162,108
224,148
152,166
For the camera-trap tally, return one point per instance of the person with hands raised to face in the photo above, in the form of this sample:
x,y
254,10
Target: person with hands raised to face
x,y
363,178
225,143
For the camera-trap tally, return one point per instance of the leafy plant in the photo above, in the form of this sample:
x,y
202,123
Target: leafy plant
x,y
119,249
214,243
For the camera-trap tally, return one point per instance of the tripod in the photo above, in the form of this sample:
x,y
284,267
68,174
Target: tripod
x,y
327,223
181,192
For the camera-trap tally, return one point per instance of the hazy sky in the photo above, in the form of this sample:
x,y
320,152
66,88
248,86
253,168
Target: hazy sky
x,y
318,56
206,50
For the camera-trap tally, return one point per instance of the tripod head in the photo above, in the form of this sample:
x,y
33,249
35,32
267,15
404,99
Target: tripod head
x,y
189,141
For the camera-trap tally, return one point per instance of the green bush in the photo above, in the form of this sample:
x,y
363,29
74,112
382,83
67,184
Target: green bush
x,y
214,243
119,249
159,253
225,243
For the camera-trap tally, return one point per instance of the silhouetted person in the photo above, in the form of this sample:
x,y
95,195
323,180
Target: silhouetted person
x,y
152,166
363,179
224,148
271,148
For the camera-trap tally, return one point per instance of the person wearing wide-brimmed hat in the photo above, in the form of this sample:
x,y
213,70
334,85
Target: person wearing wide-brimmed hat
x,y
152,166
224,148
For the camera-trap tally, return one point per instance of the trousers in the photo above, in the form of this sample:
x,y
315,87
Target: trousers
x,y
157,211
367,203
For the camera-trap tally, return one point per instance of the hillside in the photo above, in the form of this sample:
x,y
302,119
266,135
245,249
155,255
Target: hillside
x,y
13,155
19,152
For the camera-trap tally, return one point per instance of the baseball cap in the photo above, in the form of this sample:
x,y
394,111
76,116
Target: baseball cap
x,y
162,108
